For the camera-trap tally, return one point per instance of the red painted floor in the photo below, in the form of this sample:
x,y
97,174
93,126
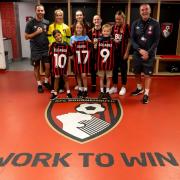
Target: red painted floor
x,y
151,133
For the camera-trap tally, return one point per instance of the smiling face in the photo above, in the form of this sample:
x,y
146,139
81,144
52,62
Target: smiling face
x,y
97,20
145,11
119,19
106,31
79,29
79,16
40,12
59,16
58,37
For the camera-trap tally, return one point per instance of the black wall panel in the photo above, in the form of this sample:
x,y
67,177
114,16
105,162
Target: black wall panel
x,y
169,13
50,7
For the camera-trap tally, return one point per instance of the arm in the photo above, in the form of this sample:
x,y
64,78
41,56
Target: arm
x,y
156,39
32,35
50,36
133,40
68,35
127,50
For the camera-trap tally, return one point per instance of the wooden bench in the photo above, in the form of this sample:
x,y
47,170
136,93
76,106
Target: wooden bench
x,y
168,59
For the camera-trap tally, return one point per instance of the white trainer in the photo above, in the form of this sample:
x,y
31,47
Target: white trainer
x,y
122,92
61,91
113,90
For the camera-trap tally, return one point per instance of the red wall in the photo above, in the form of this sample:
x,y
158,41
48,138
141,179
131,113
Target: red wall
x,y
9,25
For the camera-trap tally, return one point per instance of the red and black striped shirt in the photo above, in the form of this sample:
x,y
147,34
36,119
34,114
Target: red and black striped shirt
x,y
121,36
105,54
82,56
59,53
94,34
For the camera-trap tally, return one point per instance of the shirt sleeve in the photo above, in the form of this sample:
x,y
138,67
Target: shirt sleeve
x,y
133,37
86,38
71,40
50,34
68,35
156,38
28,28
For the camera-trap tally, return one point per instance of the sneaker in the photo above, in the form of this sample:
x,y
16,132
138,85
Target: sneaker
x,y
52,91
93,88
69,95
76,87
79,94
122,92
107,96
61,91
145,99
40,89
113,90
47,85
85,94
101,95
53,96
137,92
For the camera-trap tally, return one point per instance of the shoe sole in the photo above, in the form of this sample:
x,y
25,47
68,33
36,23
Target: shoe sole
x,y
53,99
137,93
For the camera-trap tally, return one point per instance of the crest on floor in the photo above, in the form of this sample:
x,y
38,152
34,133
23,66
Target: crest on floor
x,y
83,120
166,29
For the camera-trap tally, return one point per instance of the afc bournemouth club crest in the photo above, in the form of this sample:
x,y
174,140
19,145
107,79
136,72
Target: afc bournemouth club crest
x,y
83,120
166,29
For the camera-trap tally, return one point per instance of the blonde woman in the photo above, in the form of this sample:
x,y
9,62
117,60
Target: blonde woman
x,y
65,31
59,25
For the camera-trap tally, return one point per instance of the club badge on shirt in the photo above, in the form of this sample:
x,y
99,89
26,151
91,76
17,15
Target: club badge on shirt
x,y
143,39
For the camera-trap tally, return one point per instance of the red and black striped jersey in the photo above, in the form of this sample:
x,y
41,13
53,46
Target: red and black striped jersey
x,y
122,36
94,34
82,56
105,54
59,53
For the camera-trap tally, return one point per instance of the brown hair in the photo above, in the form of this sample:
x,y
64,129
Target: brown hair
x,y
37,5
120,13
83,31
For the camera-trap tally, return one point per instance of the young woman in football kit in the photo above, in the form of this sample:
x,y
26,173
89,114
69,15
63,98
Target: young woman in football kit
x,y
94,34
121,35
79,17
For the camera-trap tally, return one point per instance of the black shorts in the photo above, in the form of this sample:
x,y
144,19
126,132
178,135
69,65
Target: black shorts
x,y
145,66
36,58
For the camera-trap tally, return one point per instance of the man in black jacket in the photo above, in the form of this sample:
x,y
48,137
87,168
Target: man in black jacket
x,y
145,34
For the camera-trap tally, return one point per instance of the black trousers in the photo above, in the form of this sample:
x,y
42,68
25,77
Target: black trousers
x,y
93,71
119,62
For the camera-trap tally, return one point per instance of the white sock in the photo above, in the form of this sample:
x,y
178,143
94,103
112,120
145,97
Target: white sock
x,y
80,88
139,86
146,92
55,93
46,80
102,90
68,91
39,83
85,88
107,90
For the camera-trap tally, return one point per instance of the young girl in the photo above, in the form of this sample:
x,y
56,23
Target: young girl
x,y
59,53
80,44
